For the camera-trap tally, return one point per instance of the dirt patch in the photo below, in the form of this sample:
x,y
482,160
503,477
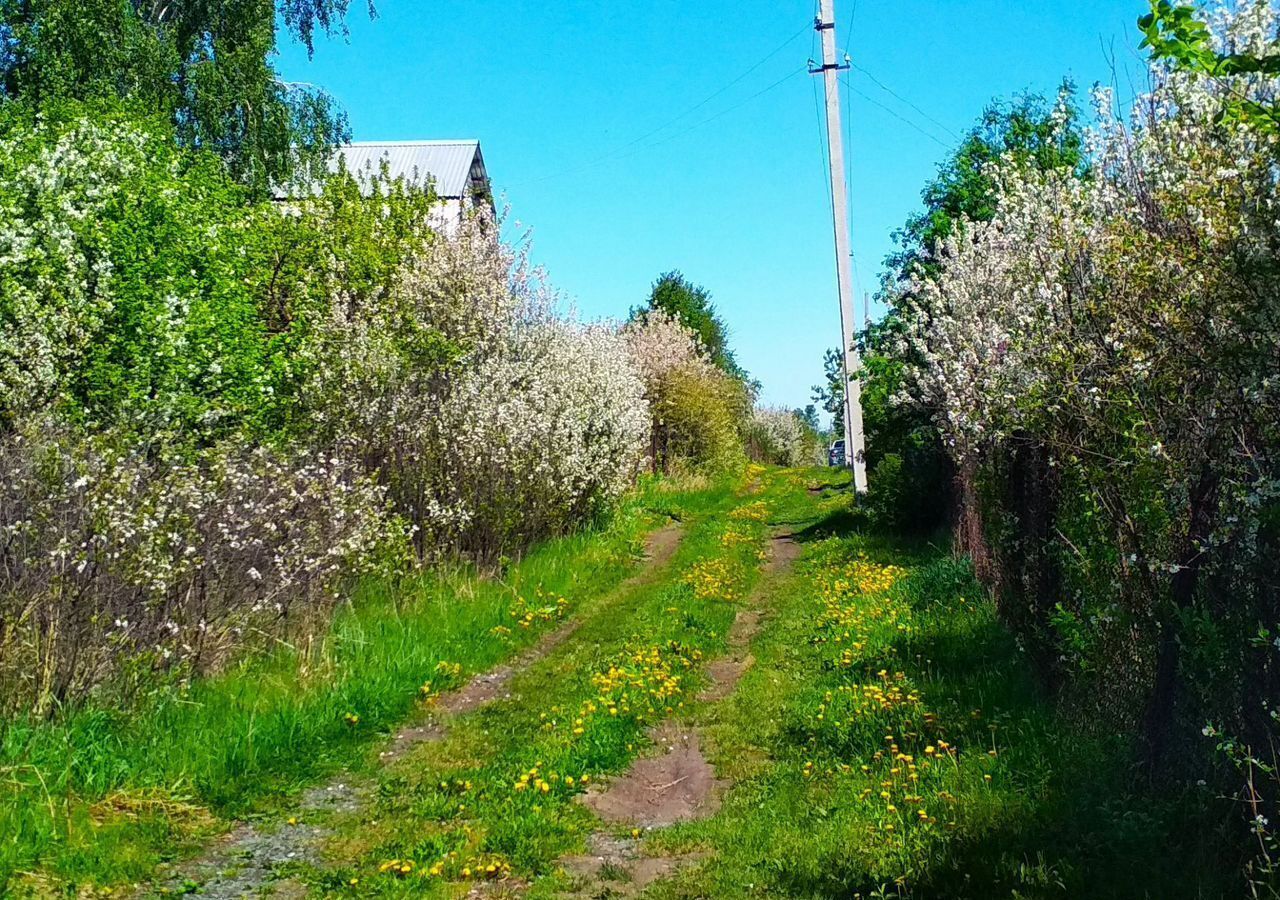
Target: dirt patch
x,y
661,545
783,551
746,625
489,686
481,690
724,675
677,785
616,865
248,861
499,890
336,796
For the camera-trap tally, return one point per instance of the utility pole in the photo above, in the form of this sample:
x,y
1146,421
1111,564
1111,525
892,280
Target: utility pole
x,y
854,442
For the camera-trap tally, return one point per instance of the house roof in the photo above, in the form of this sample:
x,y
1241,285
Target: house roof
x,y
448,163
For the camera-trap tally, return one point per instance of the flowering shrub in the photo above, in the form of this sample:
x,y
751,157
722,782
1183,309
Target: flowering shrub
x,y
542,435
1102,361
215,412
492,421
659,344
107,553
779,436
697,408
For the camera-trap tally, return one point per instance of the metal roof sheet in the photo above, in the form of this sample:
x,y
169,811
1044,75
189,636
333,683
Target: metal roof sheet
x,y
448,163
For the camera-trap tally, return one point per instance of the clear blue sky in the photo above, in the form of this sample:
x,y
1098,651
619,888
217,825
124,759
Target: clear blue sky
x,y
565,98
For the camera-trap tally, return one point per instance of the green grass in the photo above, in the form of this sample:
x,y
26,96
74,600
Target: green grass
x,y
878,660
101,796
465,803
1020,804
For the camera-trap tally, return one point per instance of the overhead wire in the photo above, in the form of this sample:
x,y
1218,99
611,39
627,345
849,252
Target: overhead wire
x,y
620,151
774,53
849,60
848,130
891,111
901,99
848,31
819,117
822,141
848,155
722,113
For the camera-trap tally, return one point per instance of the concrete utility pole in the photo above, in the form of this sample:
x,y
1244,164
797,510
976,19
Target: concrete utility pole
x,y
854,443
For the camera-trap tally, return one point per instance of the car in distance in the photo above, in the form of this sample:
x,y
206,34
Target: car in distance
x,y
835,455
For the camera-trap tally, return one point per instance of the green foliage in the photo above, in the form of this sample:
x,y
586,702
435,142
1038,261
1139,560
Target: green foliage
x,y
830,394
1173,31
348,237
204,367
1027,129
699,415
809,416
910,476
177,306
206,67
143,306
1100,358
1176,33
691,305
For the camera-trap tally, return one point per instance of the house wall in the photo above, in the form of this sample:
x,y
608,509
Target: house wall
x,y
449,211
447,215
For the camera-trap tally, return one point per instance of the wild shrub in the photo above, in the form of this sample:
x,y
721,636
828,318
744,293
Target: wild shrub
x,y
491,420
698,410
118,556
779,436
1101,360
697,418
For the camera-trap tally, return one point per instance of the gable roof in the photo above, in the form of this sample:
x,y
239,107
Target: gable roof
x,y
448,163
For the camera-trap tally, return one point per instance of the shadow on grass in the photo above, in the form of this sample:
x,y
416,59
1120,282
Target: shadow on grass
x,y
1069,816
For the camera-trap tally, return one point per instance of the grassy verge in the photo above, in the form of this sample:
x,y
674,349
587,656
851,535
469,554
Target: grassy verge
x,y
891,743
101,796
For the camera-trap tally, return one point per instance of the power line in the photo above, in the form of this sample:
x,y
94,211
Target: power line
x,y
901,99
900,117
697,106
848,130
822,139
848,36
817,107
692,109
848,31
726,112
